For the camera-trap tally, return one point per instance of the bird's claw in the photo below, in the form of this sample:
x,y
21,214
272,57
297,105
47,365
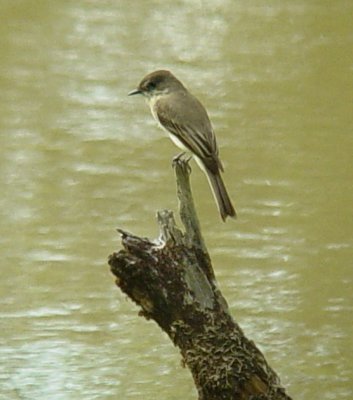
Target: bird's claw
x,y
179,157
183,160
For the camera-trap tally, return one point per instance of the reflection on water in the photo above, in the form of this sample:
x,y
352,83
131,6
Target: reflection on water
x,y
79,158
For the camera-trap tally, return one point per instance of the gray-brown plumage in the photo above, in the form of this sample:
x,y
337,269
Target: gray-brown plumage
x,y
186,120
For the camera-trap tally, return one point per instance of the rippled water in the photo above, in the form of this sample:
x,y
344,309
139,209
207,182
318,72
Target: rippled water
x,y
79,158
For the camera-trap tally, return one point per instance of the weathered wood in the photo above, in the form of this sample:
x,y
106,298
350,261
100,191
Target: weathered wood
x,y
172,280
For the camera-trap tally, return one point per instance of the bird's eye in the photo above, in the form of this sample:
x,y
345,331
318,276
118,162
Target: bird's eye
x,y
151,85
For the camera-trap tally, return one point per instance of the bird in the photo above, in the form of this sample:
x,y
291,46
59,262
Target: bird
x,y
186,121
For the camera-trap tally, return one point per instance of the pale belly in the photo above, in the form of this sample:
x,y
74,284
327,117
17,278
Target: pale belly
x,y
174,139
181,146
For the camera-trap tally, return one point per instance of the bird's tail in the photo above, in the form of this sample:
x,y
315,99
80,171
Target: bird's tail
x,y
220,193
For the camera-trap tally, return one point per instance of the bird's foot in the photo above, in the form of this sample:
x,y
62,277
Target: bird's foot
x,y
182,159
179,157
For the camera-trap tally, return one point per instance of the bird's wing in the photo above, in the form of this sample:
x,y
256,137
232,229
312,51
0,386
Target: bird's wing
x,y
199,140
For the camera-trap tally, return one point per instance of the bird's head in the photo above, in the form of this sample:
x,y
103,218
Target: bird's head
x,y
157,83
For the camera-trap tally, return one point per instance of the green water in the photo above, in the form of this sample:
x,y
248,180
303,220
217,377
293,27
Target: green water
x,y
80,158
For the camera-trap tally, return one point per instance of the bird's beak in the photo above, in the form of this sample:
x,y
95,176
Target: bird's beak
x,y
136,91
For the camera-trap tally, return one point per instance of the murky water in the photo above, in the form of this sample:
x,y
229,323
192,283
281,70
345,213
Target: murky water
x,y
80,158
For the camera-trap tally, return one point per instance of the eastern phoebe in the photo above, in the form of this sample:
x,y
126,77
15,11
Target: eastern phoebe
x,y
187,123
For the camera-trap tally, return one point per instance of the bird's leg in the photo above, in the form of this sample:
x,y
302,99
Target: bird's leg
x,y
178,157
182,158
188,157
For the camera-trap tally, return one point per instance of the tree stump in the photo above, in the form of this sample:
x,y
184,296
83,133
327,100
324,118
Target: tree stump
x,y
172,280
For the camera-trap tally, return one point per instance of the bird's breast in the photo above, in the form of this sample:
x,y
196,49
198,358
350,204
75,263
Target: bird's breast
x,y
153,106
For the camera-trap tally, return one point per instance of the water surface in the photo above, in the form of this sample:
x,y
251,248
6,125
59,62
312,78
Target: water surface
x,y
80,158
